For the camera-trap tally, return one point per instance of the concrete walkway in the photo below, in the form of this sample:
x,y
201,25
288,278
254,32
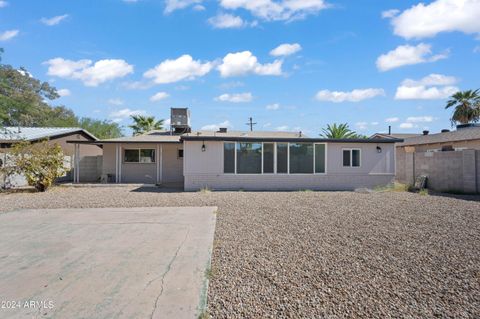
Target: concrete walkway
x,y
105,263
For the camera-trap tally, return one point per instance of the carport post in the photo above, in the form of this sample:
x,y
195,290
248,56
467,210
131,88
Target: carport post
x,y
76,165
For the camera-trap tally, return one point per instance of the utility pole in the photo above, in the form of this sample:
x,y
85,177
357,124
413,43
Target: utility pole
x,y
251,123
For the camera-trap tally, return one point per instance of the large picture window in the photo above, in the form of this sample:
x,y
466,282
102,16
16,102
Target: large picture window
x,y
301,158
229,158
277,158
351,157
139,156
249,158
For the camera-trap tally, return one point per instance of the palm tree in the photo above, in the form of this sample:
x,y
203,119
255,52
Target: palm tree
x,y
338,131
143,124
467,106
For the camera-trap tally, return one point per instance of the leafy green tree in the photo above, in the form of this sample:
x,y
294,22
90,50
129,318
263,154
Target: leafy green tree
x,y
24,102
41,163
339,131
467,106
143,124
101,128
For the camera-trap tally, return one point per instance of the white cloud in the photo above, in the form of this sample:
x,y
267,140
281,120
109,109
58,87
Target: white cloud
x,y
352,96
226,21
390,13
172,5
406,125
408,55
374,123
235,98
90,74
419,119
286,49
277,10
361,125
273,107
9,34
183,68
242,63
215,127
282,128
476,49
115,102
431,87
159,96
427,20
130,1
392,119
3,4
120,115
63,92
54,20
199,7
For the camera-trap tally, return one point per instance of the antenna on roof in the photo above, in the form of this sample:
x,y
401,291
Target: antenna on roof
x,y
251,123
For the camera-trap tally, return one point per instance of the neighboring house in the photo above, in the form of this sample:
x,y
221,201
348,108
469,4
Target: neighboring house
x,y
233,160
55,135
394,135
434,155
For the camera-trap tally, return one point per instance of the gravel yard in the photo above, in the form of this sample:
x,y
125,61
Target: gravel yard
x,y
321,254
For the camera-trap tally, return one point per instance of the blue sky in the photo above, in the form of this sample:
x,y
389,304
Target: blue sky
x,y
291,65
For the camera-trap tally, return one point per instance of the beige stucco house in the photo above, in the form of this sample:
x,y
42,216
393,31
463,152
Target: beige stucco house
x,y
254,160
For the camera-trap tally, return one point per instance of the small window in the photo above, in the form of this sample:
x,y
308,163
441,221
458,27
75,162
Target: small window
x,y
180,153
229,158
351,158
268,158
139,156
319,158
282,158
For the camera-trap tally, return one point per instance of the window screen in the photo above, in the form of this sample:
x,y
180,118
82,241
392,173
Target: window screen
x,y
319,158
268,157
249,158
229,158
131,156
346,158
301,158
147,156
282,158
355,158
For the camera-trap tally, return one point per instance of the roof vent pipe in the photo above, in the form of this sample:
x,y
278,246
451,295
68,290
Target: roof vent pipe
x,y
389,130
425,132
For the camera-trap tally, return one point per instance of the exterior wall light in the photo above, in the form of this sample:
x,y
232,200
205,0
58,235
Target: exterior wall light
x,y
203,146
379,149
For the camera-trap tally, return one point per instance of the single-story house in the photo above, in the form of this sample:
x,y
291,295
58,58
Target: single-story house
x,y
55,135
253,160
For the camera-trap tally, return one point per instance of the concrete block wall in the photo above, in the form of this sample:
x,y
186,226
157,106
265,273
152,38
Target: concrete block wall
x,y
446,171
90,169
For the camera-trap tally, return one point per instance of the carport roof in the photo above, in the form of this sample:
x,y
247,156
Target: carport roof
x,y
11,134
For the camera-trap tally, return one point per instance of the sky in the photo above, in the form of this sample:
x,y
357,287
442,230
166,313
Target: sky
x,y
292,65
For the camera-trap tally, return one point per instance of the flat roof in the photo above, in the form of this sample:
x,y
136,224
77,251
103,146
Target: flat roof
x,y
247,136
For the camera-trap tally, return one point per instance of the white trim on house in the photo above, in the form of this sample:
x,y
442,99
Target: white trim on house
x,y
350,149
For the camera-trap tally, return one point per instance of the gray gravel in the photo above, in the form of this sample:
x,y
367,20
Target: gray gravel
x,y
322,254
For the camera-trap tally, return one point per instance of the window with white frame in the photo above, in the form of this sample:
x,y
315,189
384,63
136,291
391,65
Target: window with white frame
x,y
139,156
229,158
274,158
249,158
351,157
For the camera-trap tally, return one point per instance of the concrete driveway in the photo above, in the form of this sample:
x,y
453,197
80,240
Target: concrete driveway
x,y
105,263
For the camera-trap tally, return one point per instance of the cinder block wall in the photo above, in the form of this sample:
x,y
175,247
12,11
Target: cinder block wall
x,y
446,171
90,169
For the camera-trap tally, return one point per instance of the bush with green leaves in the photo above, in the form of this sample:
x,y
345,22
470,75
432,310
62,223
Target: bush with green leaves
x,y
41,163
